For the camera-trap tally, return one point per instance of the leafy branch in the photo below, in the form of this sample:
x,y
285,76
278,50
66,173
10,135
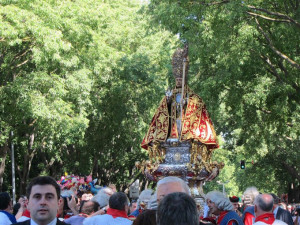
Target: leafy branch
x,y
285,18
209,3
280,54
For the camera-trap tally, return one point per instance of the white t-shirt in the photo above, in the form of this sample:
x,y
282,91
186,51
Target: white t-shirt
x,y
23,218
107,220
4,219
276,222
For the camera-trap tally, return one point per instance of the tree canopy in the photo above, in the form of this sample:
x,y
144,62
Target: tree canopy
x,y
80,80
245,59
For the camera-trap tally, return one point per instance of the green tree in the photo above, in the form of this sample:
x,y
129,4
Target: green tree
x,y
245,59
78,80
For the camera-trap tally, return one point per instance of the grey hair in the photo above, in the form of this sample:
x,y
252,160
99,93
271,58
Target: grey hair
x,y
171,179
265,205
220,200
152,204
145,196
250,194
101,198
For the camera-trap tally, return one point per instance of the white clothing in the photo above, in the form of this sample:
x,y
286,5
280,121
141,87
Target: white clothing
x,y
23,218
4,219
53,222
276,222
107,220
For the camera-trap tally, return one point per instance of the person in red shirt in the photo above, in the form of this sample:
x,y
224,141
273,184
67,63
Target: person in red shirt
x,y
220,206
248,213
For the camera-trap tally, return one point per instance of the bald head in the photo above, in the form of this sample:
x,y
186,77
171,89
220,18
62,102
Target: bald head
x,y
169,185
263,204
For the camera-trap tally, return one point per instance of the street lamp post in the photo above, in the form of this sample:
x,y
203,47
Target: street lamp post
x,y
13,168
226,182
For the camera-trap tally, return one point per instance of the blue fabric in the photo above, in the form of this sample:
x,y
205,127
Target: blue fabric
x,y
135,213
232,216
11,217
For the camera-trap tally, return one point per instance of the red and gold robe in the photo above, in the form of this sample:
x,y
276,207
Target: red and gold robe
x,y
196,124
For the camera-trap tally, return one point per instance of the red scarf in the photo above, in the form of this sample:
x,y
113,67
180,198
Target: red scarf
x,y
117,213
26,213
267,218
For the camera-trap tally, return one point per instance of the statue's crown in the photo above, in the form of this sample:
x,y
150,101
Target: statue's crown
x,y
177,62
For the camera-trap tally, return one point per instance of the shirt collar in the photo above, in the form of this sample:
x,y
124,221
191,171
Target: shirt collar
x,y
53,222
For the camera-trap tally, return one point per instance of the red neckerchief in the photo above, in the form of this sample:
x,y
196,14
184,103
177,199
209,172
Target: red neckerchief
x,y
267,218
26,213
116,213
83,215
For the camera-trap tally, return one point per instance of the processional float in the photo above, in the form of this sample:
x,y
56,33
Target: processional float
x,y
181,138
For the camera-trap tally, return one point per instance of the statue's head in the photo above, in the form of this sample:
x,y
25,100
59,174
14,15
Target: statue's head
x,y
179,57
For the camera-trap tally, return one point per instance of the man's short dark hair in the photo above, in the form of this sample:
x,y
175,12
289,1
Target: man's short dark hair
x,y
264,205
43,180
275,198
4,200
118,201
177,208
88,210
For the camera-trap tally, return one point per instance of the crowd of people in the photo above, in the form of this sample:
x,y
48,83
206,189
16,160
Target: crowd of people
x,y
46,204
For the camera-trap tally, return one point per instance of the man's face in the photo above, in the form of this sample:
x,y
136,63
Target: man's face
x,y
168,188
178,82
212,207
235,205
43,203
133,207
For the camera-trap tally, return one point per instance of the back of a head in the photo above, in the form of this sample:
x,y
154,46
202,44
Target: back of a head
x,y
148,217
4,200
118,201
145,195
220,200
249,195
177,208
264,202
89,207
152,204
101,198
43,180
171,179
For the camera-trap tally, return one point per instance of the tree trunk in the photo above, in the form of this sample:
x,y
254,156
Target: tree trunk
x,y
28,157
294,193
292,170
3,154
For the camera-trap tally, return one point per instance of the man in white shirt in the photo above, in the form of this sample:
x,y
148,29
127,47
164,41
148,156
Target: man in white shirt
x,y
116,213
263,207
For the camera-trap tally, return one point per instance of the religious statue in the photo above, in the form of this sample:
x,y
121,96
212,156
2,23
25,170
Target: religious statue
x,y
181,137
